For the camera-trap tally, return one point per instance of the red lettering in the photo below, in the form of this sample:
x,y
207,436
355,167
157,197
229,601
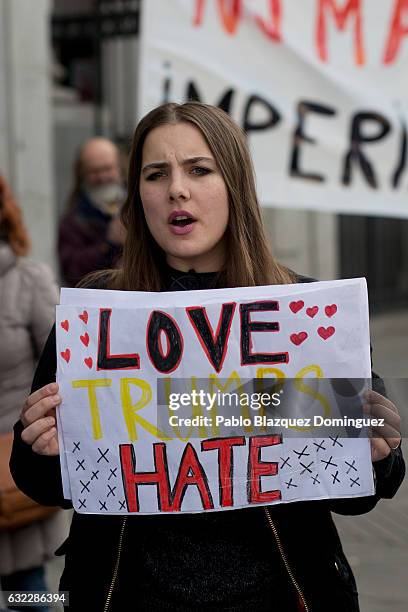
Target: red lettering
x,y
191,472
198,12
230,12
132,479
340,15
397,32
258,468
272,28
225,465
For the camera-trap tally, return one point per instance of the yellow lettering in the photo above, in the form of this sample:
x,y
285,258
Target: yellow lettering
x,y
130,409
303,388
91,385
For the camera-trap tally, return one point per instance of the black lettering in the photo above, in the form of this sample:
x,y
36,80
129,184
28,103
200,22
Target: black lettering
x,y
215,346
300,137
273,118
355,155
402,162
162,322
225,101
106,361
247,327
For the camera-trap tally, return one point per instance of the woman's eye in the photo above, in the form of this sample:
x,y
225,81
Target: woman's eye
x,y
200,170
154,176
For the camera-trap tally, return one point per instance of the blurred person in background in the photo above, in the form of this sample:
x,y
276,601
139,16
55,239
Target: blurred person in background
x,y
91,234
28,296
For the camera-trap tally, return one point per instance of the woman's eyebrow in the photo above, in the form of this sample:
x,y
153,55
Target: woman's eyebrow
x,y
186,162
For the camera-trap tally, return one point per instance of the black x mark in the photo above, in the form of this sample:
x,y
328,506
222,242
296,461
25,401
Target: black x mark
x,y
307,467
335,479
80,465
85,487
329,462
351,466
285,461
335,441
111,491
302,453
103,455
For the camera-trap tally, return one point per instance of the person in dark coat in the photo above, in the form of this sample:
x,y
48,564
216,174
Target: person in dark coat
x,y
91,235
193,222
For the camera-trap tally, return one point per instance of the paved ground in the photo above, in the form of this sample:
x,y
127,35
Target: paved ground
x,y
376,543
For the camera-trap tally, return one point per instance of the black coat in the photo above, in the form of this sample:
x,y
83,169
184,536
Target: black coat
x,y
83,246
252,559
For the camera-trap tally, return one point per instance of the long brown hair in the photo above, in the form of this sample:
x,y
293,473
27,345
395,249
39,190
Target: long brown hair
x,y
250,261
11,221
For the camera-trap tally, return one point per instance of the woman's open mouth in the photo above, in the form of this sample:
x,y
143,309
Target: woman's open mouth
x,y
181,222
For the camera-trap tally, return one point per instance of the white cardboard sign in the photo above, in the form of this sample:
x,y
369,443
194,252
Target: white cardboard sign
x,y
117,457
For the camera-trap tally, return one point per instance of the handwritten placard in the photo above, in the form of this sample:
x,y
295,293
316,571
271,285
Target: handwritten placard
x,y
117,456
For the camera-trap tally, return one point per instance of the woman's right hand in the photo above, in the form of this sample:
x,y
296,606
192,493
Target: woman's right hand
x,y
39,419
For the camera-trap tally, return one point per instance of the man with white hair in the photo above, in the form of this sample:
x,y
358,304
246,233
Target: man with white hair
x,y
91,235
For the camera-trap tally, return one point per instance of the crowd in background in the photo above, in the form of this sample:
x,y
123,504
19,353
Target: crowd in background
x,y
90,238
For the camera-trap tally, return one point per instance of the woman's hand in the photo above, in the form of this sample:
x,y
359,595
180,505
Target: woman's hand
x,y
386,438
39,420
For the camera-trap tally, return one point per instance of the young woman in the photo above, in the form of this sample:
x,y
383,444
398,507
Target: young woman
x,y
193,221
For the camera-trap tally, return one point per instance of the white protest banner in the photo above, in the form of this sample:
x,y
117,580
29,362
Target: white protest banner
x,y
123,449
320,87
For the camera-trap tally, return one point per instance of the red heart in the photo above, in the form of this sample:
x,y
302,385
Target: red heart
x,y
85,338
298,338
66,355
312,312
330,310
88,361
326,332
84,317
296,306
65,325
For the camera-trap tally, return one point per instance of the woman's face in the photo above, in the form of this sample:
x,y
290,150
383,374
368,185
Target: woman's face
x,y
184,197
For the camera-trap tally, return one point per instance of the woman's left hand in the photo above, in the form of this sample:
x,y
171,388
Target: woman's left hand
x,y
386,438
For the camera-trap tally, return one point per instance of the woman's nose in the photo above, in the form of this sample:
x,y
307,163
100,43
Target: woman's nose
x,y
178,189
